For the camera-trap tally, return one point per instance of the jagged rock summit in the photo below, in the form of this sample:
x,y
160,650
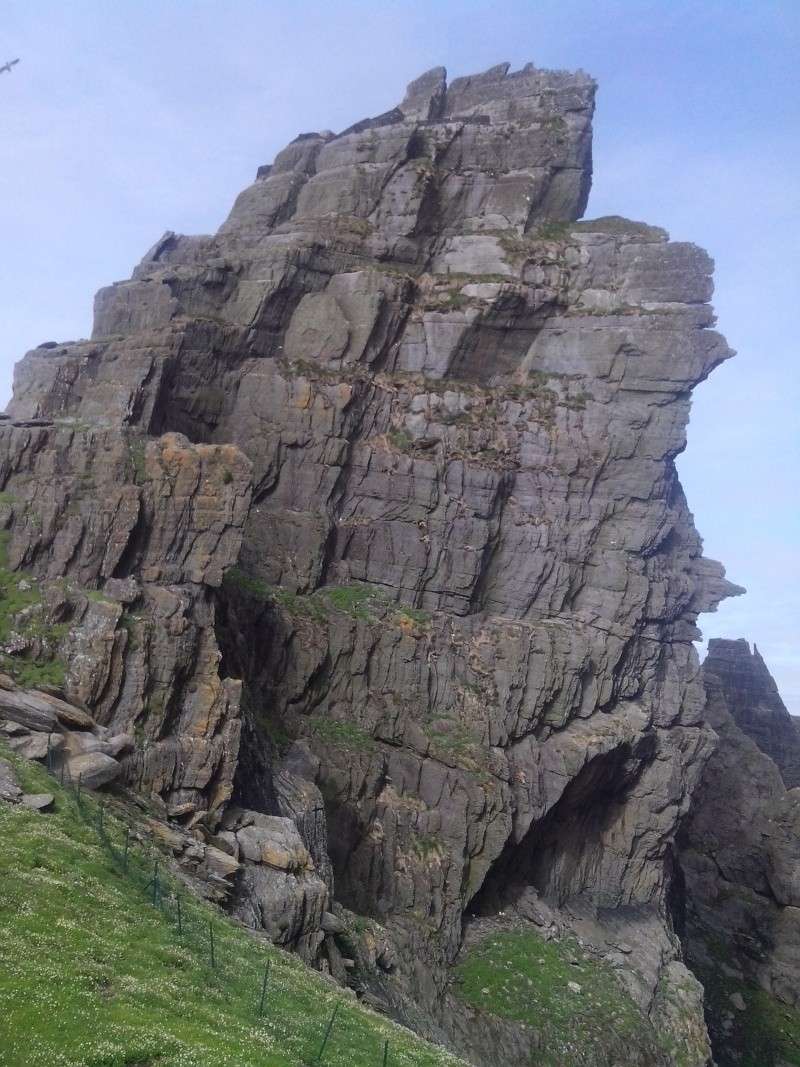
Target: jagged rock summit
x,y
363,513
739,855
753,701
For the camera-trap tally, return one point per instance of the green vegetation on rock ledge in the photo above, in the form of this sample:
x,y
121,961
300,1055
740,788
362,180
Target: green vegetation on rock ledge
x,y
618,226
22,614
520,976
765,1033
355,600
94,976
342,734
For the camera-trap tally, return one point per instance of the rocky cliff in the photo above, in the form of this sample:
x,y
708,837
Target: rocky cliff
x,y
739,858
742,682
361,517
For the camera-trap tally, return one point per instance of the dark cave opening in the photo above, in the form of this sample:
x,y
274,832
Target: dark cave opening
x,y
561,854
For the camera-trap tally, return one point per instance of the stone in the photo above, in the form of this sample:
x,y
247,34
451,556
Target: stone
x,y
738,1001
73,717
331,924
226,842
38,710
397,582
753,700
125,590
12,729
93,769
275,842
220,863
118,744
35,746
28,708
10,790
38,801
739,848
288,904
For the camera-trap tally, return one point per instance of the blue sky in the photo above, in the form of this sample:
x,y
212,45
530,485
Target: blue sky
x,y
126,119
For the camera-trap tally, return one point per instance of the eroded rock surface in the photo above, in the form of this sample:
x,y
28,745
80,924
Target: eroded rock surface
x,y
377,490
754,703
740,862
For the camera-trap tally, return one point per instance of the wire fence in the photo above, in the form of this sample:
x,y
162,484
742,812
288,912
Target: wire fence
x,y
135,855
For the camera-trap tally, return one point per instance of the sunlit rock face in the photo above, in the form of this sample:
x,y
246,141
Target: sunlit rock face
x,y
424,422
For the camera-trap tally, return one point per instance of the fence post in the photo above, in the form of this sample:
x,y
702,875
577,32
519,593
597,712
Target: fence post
x,y
264,988
155,884
328,1028
385,1053
125,853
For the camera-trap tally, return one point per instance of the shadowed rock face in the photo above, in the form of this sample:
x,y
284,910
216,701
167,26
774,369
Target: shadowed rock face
x,y
739,852
754,703
433,420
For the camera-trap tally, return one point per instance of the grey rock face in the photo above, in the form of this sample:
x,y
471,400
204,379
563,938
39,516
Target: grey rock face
x,y
279,889
432,421
160,519
93,769
739,852
752,699
38,801
10,791
34,710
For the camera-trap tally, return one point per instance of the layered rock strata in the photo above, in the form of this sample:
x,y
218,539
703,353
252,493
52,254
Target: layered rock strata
x,y
741,679
740,865
377,486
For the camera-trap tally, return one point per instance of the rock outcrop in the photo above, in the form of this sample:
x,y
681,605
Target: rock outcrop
x,y
740,863
752,700
363,514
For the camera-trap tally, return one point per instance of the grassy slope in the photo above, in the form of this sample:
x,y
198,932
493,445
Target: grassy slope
x,y
519,976
92,974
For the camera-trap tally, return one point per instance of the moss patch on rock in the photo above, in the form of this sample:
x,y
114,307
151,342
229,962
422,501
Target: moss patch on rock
x,y
763,1033
28,639
573,1002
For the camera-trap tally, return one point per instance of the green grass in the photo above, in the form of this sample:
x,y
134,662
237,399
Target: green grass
x,y
617,226
555,124
97,596
553,230
765,1034
535,386
236,580
93,975
400,439
426,847
34,673
519,976
342,734
454,743
22,612
355,600
413,615
136,451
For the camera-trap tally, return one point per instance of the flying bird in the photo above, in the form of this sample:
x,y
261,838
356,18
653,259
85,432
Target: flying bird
x,y
11,63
